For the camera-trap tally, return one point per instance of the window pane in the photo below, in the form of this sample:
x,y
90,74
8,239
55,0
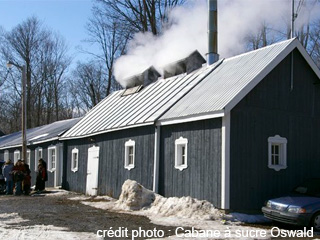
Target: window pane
x,y
183,155
131,156
75,160
275,159
276,148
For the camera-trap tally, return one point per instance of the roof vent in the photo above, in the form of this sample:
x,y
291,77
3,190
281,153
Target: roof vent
x,y
137,82
189,64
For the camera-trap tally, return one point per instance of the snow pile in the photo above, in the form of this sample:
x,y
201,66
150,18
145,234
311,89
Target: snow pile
x,y
184,207
134,196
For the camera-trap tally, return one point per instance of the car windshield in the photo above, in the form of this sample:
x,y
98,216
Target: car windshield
x,y
310,188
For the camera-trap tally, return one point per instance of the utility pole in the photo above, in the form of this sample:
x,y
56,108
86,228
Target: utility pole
x,y
293,18
23,108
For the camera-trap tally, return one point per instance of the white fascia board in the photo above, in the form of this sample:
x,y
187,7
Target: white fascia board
x,y
269,68
196,117
309,60
225,162
106,131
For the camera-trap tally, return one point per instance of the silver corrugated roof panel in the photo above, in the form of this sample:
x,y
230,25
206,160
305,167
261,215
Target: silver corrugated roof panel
x,y
142,108
39,134
209,90
217,90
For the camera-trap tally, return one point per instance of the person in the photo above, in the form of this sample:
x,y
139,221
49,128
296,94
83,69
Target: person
x,y
26,184
18,176
7,173
42,175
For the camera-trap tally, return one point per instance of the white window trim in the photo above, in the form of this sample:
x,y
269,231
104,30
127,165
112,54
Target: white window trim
x,y
74,168
282,152
50,169
6,155
129,143
28,160
14,156
177,162
36,157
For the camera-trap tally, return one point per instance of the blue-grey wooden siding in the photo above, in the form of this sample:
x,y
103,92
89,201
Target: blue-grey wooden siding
x,y
273,108
112,173
202,178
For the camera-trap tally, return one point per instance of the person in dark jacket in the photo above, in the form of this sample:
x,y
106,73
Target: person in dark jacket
x,y
26,184
18,176
42,175
7,173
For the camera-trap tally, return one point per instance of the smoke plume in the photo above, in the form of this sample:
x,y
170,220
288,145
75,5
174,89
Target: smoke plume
x,y
237,19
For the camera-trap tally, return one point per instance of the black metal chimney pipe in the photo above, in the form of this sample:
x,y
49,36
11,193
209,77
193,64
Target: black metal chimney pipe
x,y
212,55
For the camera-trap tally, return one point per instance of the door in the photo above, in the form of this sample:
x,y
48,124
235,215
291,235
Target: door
x,y
92,171
59,165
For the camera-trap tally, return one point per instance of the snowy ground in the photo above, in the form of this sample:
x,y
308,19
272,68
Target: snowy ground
x,y
181,213
59,214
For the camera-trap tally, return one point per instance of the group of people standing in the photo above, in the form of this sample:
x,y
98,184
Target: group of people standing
x,y
18,179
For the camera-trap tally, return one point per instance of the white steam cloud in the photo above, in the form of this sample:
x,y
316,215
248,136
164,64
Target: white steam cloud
x,y
236,20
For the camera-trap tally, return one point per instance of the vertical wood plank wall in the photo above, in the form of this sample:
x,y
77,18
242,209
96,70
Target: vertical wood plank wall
x,y
272,108
202,178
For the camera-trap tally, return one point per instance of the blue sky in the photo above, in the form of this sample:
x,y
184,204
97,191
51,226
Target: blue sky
x,y
67,17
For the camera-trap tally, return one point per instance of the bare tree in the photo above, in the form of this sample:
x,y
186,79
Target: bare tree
x,y
45,56
110,38
87,86
140,15
307,32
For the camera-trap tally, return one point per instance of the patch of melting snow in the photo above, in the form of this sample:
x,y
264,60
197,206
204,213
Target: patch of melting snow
x,y
80,198
51,192
40,136
10,229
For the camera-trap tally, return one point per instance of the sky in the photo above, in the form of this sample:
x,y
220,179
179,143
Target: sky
x,y
66,17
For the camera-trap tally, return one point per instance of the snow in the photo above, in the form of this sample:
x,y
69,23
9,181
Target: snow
x,y
10,229
80,198
52,193
177,212
40,136
134,196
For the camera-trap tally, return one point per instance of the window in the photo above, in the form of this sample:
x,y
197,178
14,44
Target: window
x,y
52,153
28,156
129,154
16,156
38,155
74,159
181,153
277,152
6,155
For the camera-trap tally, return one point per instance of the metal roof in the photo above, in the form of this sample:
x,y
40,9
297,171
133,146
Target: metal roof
x,y
232,80
210,91
143,108
37,135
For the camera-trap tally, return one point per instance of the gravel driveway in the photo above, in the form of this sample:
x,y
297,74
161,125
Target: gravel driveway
x,y
55,209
